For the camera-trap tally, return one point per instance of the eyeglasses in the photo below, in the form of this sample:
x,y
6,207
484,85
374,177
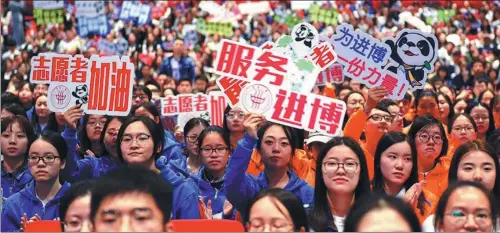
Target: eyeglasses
x,y
49,159
192,138
277,225
232,116
94,123
331,167
76,225
466,128
141,139
459,218
482,118
379,118
436,138
141,96
209,151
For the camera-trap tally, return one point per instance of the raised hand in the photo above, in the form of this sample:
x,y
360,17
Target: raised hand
x,y
251,124
73,115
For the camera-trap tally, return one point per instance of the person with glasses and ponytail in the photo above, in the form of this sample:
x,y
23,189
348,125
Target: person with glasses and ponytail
x,y
39,200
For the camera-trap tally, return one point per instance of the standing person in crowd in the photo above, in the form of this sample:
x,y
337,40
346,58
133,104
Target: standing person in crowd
x,y
74,207
381,213
140,144
276,210
483,117
90,167
39,200
428,137
341,179
178,65
17,136
466,206
131,200
89,133
274,143
396,174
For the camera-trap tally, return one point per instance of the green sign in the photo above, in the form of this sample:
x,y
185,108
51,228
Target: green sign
x,y
327,16
289,21
43,16
224,29
443,15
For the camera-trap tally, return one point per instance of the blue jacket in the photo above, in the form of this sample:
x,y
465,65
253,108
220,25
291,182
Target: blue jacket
x,y
208,192
242,187
29,112
172,149
186,67
14,182
87,168
185,196
27,202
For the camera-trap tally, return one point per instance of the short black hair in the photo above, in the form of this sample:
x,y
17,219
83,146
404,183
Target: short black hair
x,y
24,125
289,133
201,77
156,132
193,122
185,80
224,134
126,179
10,98
384,104
482,78
143,89
425,93
77,190
363,206
15,109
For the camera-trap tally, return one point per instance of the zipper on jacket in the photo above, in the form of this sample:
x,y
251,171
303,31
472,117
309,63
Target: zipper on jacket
x,y
216,194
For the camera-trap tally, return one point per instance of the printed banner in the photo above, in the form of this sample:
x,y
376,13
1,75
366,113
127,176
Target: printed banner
x,y
327,16
134,11
43,16
334,74
310,112
89,9
98,25
289,21
213,103
107,48
224,29
253,8
102,85
48,5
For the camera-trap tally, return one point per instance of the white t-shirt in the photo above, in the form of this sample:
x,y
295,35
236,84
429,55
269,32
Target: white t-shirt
x,y
428,225
339,223
175,69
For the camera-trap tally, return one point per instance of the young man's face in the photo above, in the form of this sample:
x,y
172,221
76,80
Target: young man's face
x,y
129,212
184,88
200,85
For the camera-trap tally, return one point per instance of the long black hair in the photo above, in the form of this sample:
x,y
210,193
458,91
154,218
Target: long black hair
x,y
421,122
104,129
321,210
154,130
491,126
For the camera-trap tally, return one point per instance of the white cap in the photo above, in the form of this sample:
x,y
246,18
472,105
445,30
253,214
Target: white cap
x,y
318,137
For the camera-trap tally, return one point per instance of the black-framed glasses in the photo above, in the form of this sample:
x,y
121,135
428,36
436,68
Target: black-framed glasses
x,y
330,167
48,159
209,151
379,118
141,96
232,116
425,137
192,138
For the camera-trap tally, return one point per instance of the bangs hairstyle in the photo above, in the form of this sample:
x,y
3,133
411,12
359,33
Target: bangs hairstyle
x,y
380,202
288,132
155,131
450,124
143,89
148,106
215,130
491,126
389,139
321,210
422,123
426,93
15,109
56,140
77,190
470,146
121,119
24,125
443,201
290,201
193,122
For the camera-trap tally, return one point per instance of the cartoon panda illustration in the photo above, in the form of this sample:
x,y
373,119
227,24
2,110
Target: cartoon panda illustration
x,y
305,34
415,52
81,93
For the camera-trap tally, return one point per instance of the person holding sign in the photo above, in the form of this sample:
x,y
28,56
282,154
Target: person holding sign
x,y
274,143
39,200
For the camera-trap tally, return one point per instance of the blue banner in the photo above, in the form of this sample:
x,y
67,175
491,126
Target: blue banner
x,y
98,25
133,11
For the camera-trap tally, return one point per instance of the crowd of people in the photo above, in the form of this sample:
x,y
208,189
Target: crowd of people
x,y
428,162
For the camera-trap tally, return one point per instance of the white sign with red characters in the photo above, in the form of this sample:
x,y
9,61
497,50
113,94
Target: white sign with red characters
x,y
310,112
333,74
102,85
214,104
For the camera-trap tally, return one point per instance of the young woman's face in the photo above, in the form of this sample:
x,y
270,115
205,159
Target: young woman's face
x,y
41,107
383,220
354,102
460,107
397,117
462,131
47,169
428,106
78,215
269,215
481,117
275,148
487,97
429,142
110,136
214,152
39,90
444,107
396,164
137,144
14,141
378,121
191,140
479,167
341,170
235,119
468,209
25,94
94,127
447,92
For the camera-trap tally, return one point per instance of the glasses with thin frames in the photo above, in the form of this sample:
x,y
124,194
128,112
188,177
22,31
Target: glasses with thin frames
x,y
141,139
331,167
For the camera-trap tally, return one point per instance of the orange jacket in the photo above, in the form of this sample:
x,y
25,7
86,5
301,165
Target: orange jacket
x,y
449,155
301,166
436,180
